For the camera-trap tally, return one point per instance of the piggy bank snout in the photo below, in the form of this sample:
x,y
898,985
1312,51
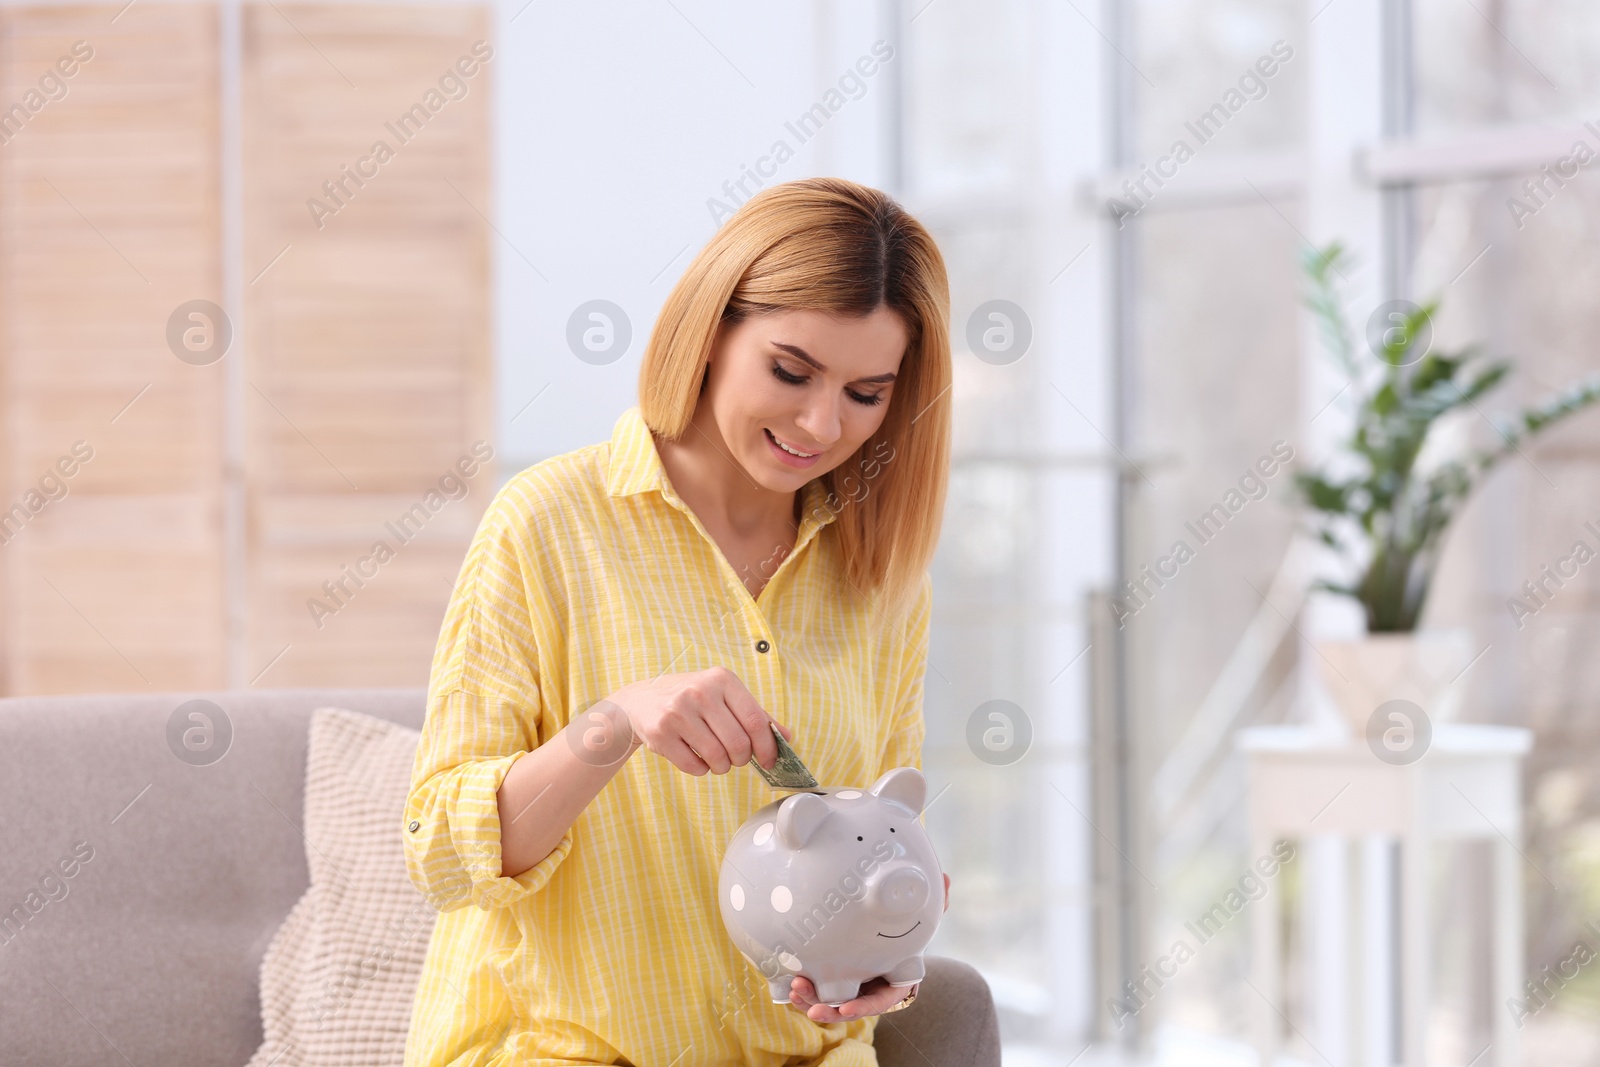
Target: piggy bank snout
x,y
901,888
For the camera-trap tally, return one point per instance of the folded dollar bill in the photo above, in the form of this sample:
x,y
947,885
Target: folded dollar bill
x,y
788,772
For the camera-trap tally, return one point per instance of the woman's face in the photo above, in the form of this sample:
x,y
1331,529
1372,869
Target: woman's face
x,y
818,383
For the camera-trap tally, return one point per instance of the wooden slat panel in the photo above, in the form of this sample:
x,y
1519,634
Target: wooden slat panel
x,y
365,344
368,350
110,221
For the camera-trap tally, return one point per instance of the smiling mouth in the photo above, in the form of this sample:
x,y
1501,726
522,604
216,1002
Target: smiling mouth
x,y
796,453
913,927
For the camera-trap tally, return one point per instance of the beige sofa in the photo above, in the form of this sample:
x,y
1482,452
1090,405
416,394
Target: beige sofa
x,y
139,888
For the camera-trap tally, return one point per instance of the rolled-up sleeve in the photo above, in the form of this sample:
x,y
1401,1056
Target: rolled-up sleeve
x,y
907,728
484,711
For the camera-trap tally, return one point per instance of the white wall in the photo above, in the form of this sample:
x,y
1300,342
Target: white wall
x,y
616,123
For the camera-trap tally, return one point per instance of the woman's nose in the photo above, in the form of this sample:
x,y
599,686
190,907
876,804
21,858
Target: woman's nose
x,y
821,421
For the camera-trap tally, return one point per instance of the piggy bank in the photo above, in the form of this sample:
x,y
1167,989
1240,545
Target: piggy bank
x,y
838,885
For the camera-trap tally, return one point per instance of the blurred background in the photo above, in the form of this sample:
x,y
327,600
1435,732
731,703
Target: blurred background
x,y
275,276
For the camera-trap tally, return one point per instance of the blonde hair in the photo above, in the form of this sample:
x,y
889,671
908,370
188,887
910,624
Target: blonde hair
x,y
827,244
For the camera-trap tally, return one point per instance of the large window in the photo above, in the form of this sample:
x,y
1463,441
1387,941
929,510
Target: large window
x,y
1410,132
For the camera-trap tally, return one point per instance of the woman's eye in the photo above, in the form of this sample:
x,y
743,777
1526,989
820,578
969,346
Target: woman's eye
x,y
797,379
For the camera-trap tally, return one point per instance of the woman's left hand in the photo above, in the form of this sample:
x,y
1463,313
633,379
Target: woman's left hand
x,y
876,997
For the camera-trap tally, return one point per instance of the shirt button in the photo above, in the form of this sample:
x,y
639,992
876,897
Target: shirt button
x,y
762,646
413,826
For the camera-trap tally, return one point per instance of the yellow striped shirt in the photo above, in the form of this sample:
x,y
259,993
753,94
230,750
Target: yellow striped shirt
x,y
588,572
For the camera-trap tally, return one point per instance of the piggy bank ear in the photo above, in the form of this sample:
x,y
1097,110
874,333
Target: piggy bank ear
x,y
798,818
903,785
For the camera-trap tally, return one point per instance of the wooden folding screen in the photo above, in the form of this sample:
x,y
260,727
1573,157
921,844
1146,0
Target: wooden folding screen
x,y
357,384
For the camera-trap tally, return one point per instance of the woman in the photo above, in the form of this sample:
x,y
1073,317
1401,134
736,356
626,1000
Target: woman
x,y
750,548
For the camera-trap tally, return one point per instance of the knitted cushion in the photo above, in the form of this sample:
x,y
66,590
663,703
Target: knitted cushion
x,y
338,979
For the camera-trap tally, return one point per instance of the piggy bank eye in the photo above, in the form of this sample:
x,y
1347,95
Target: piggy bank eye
x,y
858,837
891,829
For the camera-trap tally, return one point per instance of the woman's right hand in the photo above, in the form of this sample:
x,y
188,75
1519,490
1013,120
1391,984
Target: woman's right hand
x,y
700,720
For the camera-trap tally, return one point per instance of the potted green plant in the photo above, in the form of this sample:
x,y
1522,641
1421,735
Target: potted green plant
x,y
1385,514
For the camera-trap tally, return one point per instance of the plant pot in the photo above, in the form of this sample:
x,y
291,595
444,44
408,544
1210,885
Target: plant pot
x,y
1420,667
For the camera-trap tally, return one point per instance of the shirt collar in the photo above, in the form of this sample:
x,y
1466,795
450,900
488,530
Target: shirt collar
x,y
635,467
